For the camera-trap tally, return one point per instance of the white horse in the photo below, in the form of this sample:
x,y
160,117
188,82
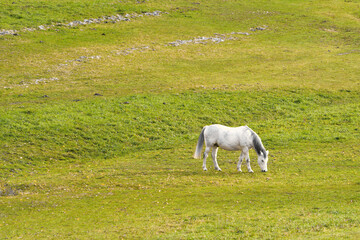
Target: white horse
x,y
231,139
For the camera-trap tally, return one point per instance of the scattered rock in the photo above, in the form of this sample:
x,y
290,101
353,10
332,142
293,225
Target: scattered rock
x,y
346,53
126,102
131,50
104,19
36,81
241,33
259,12
155,13
8,192
259,28
45,80
97,94
8,32
218,38
82,59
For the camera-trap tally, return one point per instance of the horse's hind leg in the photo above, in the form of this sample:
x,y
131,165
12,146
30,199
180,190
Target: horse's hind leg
x,y
206,153
213,155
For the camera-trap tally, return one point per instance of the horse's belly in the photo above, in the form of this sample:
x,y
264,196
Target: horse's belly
x,y
230,147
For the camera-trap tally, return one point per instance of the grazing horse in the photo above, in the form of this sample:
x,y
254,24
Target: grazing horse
x,y
231,139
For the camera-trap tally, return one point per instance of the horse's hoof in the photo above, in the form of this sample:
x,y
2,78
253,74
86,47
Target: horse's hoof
x,y
205,169
251,171
239,170
263,170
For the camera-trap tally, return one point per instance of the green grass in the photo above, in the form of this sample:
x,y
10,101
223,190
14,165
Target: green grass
x,y
107,127
75,165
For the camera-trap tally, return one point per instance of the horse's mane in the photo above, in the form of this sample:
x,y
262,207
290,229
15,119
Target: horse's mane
x,y
258,146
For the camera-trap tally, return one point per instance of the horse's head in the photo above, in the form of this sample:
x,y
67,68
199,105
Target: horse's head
x,y
262,160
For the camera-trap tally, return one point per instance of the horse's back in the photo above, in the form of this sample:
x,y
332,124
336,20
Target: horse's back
x,y
218,129
222,128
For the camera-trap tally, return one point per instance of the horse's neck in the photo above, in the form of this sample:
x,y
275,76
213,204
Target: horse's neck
x,y
257,144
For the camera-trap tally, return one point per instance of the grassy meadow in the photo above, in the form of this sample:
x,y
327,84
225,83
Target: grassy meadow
x,y
99,122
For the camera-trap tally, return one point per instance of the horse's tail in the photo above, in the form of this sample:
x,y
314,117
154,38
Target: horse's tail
x,y
200,144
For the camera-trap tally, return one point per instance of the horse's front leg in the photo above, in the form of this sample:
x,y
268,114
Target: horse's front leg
x,y
213,155
206,153
242,156
248,163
